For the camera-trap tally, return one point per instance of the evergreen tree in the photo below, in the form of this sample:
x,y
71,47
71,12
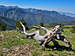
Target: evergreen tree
x,y
41,24
18,25
3,27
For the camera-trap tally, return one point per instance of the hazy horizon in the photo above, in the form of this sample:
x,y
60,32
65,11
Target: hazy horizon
x,y
56,5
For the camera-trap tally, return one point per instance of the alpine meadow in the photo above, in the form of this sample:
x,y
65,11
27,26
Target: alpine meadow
x,y
37,28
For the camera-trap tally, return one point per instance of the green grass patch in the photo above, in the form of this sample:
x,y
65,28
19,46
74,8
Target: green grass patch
x,y
13,38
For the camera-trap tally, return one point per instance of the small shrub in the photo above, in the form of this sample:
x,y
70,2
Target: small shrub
x,y
73,29
41,24
18,25
3,27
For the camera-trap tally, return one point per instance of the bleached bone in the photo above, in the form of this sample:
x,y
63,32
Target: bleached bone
x,y
52,36
46,38
24,29
42,28
48,32
36,34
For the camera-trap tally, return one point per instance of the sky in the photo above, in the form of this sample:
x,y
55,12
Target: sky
x,y
66,5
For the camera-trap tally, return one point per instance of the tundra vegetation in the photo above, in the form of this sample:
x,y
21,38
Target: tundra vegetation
x,y
16,44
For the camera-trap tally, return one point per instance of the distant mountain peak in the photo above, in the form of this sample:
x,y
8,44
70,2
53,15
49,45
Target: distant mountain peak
x,y
63,10
33,15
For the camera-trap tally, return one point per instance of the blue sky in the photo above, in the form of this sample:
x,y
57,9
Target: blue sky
x,y
56,4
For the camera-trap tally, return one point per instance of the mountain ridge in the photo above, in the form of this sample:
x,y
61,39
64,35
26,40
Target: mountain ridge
x,y
9,22
33,16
